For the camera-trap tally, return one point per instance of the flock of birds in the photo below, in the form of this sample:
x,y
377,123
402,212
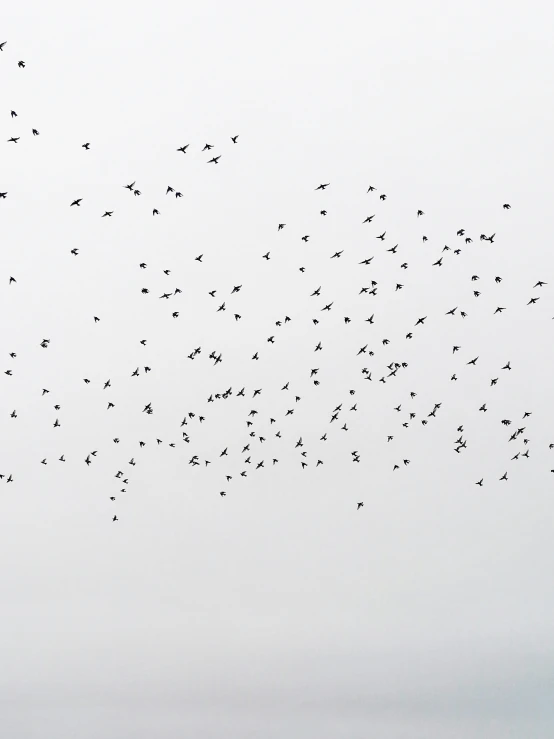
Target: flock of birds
x,y
241,456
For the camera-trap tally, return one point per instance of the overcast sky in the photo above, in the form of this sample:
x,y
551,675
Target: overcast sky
x,y
279,610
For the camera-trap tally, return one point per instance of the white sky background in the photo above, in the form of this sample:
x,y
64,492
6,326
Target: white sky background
x,y
278,610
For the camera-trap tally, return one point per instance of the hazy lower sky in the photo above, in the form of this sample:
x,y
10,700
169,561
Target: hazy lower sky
x,y
279,610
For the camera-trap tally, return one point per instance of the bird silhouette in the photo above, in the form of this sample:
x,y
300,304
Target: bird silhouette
x,y
266,298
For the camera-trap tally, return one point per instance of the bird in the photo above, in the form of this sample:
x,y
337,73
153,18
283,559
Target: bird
x,y
271,296
86,146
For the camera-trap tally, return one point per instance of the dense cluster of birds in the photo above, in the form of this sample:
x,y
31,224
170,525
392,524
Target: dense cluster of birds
x,y
266,439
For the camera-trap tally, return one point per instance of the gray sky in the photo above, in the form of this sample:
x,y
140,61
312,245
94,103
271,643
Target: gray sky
x,y
278,610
